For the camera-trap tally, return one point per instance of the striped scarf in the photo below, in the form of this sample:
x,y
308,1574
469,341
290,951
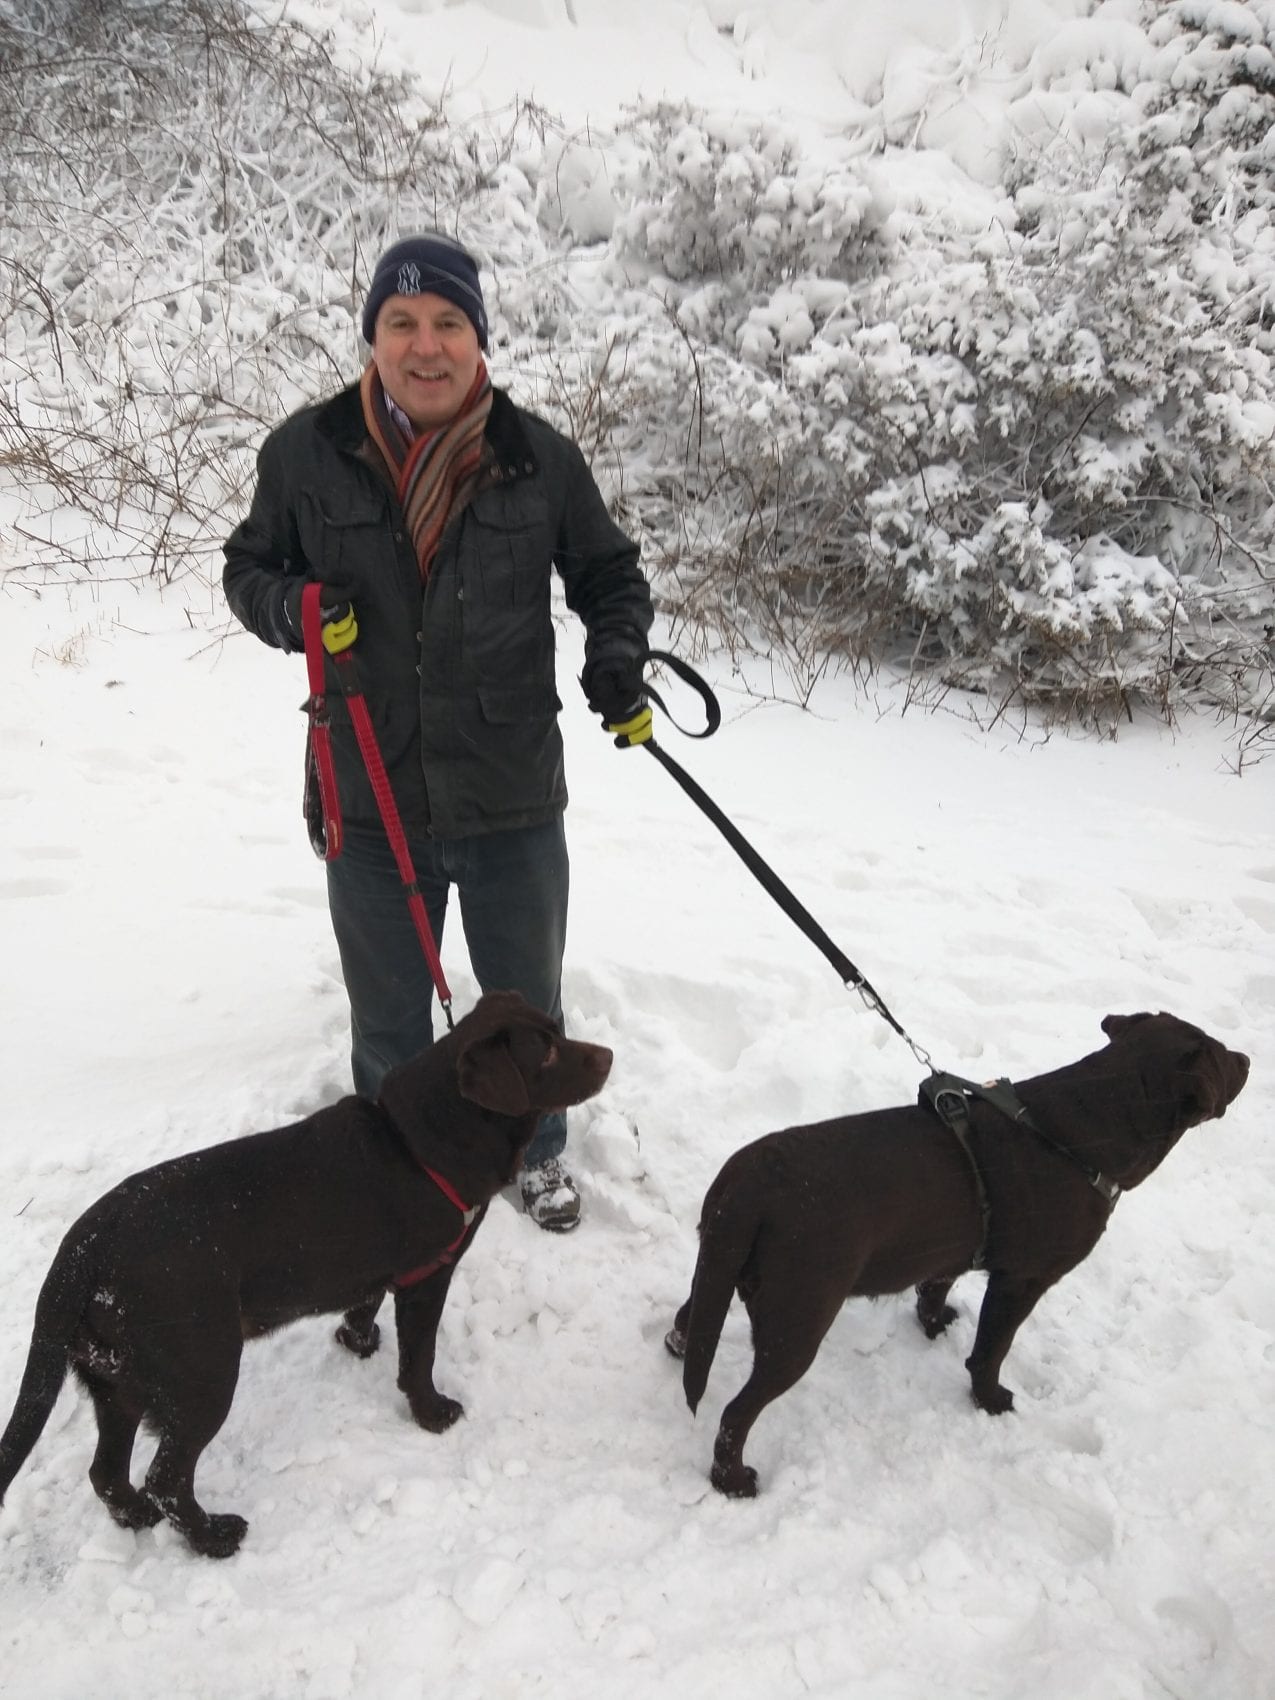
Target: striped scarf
x,y
436,473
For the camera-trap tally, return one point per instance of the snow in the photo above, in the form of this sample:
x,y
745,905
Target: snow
x,y
170,980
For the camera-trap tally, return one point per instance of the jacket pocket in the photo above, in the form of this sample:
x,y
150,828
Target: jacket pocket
x,y
506,552
510,705
348,537
514,768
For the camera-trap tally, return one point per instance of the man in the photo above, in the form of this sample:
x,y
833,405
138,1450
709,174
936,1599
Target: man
x,y
431,509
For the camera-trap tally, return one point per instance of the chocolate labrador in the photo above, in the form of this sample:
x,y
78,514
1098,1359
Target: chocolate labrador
x,y
156,1287
1020,1181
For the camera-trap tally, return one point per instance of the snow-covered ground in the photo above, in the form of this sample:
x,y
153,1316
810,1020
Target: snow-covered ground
x,y
170,980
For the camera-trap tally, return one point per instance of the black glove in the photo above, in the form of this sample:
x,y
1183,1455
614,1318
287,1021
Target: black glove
x,y
616,690
334,600
614,686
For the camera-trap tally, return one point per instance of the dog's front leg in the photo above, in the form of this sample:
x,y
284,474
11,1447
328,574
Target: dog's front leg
x,y
417,1311
1007,1303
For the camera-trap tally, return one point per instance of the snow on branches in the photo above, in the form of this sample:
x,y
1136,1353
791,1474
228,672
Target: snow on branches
x,y
1015,431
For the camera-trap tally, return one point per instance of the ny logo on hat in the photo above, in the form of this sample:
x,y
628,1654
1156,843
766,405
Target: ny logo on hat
x,y
409,279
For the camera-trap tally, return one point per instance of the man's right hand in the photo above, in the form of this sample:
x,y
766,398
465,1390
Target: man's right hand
x,y
339,628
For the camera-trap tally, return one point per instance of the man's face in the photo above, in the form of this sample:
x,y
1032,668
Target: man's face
x,y
427,353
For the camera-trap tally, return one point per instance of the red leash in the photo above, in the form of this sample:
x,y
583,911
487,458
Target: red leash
x,y
325,831
321,752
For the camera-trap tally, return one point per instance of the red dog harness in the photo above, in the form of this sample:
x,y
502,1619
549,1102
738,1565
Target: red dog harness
x,y
468,1211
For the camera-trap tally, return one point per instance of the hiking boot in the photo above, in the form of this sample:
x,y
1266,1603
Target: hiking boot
x,y
549,1197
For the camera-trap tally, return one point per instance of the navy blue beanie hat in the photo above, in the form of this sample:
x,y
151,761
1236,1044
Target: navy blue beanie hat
x,y
429,264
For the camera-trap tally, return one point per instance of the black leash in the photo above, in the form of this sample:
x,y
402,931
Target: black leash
x,y
948,1095
761,870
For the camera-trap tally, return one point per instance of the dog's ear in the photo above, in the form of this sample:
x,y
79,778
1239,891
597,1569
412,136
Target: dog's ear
x,y
1114,1025
487,1075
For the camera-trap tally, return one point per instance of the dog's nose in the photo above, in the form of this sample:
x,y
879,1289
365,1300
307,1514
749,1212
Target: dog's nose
x,y
605,1058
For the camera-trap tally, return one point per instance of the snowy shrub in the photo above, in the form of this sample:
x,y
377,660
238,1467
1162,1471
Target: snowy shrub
x,y
1017,436
716,196
191,209
1039,462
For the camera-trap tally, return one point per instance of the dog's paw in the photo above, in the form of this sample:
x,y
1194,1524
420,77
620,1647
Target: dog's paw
x,y
134,1510
932,1310
439,1415
738,1481
993,1399
361,1343
221,1536
936,1323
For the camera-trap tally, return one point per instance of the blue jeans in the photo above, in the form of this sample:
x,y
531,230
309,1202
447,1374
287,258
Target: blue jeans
x,y
512,888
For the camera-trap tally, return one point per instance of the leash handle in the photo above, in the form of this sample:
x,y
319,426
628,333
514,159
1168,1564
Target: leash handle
x,y
688,675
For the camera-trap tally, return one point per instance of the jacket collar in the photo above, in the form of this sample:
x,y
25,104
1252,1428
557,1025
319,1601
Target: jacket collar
x,y
340,420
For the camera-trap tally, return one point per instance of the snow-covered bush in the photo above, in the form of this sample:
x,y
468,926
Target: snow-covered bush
x,y
1017,435
1039,460
193,198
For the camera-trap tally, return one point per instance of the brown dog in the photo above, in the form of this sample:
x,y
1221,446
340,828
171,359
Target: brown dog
x,y
156,1287
799,1221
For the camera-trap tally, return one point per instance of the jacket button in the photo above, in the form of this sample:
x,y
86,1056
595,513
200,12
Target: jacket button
x,y
418,669
420,637
529,466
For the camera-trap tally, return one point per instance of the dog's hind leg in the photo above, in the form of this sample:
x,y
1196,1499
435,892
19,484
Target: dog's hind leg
x,y
788,1331
117,1425
358,1331
932,1309
170,1483
190,1401
1006,1305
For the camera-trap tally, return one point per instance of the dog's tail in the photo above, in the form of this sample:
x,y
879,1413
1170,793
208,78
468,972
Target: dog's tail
x,y
728,1229
63,1299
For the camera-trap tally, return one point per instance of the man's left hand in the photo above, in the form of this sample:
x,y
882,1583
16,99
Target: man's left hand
x,y
340,627
615,689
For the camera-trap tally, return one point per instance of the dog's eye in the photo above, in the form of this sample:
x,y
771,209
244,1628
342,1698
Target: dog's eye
x,y
551,1057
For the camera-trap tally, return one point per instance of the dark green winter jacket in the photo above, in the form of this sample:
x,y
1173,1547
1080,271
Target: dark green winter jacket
x,y
459,675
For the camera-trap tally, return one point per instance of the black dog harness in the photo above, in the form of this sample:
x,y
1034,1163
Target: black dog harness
x,y
948,1095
